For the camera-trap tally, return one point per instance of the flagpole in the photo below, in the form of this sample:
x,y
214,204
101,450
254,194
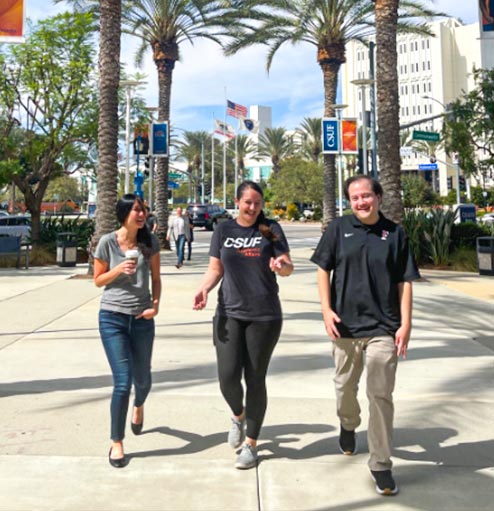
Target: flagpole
x,y
224,161
212,164
236,166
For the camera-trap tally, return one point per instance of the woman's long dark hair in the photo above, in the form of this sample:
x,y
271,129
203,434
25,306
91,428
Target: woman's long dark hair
x,y
123,209
261,222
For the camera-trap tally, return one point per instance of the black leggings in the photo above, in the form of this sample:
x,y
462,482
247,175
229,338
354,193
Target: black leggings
x,y
245,346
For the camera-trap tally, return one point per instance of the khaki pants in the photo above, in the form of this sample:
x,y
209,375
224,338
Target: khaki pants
x,y
381,361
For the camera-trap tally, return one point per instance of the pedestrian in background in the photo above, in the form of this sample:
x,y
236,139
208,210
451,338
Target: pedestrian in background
x,y
365,273
245,255
151,221
189,219
123,261
179,229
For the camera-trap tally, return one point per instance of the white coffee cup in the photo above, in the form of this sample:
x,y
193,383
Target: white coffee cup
x,y
133,254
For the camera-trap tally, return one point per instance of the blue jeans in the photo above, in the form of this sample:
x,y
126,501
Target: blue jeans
x,y
128,344
180,242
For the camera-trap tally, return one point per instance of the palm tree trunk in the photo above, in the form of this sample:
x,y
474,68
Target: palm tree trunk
x,y
165,72
388,108
330,79
109,76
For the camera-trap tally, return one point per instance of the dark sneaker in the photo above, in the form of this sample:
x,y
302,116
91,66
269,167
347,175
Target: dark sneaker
x,y
236,435
247,457
385,484
348,442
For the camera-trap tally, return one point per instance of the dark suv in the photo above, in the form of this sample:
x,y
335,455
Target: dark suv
x,y
207,215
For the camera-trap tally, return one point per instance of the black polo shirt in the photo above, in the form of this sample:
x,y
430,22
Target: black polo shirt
x,y
368,263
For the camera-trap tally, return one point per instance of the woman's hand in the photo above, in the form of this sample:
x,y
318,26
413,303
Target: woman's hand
x,y
147,313
282,265
129,266
200,300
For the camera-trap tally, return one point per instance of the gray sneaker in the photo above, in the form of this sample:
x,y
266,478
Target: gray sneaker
x,y
247,457
236,435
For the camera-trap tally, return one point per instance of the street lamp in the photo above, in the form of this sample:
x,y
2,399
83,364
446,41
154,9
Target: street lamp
x,y
338,109
129,85
456,161
363,83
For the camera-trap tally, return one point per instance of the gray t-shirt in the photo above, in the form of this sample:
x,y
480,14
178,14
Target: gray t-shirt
x,y
128,294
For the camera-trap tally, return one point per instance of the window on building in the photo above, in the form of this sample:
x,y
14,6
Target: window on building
x,y
413,110
430,87
428,65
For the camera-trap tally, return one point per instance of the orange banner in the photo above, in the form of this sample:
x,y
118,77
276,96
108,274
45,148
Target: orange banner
x,y
11,19
349,136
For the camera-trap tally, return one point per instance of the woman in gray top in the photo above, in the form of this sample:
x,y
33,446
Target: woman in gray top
x,y
123,262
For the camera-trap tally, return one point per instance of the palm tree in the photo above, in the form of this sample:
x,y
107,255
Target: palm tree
x,y
163,25
275,144
326,24
311,131
389,15
245,148
109,75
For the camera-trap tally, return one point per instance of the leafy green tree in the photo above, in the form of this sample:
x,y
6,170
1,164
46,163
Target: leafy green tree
x,y
49,79
299,181
276,145
417,192
470,130
64,188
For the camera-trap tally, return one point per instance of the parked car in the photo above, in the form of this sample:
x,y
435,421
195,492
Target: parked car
x,y
16,225
3,213
487,219
207,215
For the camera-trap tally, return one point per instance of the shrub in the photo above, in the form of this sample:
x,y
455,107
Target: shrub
x,y
437,235
279,212
317,216
292,212
83,228
466,234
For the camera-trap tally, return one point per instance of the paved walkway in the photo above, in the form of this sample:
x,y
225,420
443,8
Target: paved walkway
x,y
55,387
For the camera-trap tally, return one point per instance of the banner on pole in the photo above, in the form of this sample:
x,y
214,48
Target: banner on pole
x,y
224,129
349,136
12,18
158,139
330,136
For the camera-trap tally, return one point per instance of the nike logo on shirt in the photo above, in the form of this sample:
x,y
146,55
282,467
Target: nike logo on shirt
x,y
348,234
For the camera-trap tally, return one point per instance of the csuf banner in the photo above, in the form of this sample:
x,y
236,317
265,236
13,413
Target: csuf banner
x,y
487,15
12,21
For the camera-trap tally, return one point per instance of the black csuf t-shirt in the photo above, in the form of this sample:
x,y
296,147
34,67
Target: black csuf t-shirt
x,y
368,263
249,290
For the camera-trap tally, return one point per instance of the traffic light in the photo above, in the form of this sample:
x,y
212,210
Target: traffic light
x,y
450,183
463,186
432,159
147,163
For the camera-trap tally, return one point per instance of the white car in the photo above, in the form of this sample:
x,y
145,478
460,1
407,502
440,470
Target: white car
x,y
487,219
16,225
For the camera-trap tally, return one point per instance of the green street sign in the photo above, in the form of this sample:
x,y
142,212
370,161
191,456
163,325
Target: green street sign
x,y
174,175
428,136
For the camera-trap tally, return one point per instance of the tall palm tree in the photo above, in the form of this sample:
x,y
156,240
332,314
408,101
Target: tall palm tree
x,y
275,144
245,148
163,25
326,24
389,14
109,75
311,131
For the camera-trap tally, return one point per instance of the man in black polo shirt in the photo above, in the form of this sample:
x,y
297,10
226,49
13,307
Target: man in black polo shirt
x,y
367,307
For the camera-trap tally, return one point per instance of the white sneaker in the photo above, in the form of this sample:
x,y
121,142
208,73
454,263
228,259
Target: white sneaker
x,y
247,457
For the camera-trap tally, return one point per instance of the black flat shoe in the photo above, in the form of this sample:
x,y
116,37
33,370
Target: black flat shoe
x,y
117,462
136,428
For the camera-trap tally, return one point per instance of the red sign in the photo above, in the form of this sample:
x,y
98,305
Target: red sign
x,y
349,137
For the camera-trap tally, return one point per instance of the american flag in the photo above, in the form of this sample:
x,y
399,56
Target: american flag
x,y
235,110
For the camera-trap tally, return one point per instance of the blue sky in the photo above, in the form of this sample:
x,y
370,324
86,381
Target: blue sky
x,y
294,87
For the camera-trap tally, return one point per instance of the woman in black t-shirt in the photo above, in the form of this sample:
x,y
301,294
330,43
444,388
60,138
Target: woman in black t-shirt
x,y
245,255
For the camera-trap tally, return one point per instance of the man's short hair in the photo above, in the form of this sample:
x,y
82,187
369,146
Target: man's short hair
x,y
375,185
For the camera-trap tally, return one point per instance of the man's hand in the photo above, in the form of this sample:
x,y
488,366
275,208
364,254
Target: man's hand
x,y
330,320
402,336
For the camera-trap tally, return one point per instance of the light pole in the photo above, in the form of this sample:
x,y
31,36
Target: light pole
x,y
363,83
456,161
372,93
338,109
151,110
129,85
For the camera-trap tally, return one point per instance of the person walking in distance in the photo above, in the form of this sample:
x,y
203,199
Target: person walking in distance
x,y
365,273
179,228
190,239
123,261
245,255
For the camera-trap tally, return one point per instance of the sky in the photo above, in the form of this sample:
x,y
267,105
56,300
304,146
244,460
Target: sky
x,y
204,78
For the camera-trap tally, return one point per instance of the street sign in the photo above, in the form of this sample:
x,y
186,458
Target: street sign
x,y
428,136
330,136
427,166
174,175
406,150
172,185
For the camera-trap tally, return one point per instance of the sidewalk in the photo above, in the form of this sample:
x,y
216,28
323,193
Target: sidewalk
x,y
55,387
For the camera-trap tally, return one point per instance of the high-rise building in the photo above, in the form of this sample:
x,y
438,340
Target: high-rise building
x,y
433,71
259,170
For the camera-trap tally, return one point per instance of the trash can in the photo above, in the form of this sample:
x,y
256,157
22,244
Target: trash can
x,y
66,249
485,255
